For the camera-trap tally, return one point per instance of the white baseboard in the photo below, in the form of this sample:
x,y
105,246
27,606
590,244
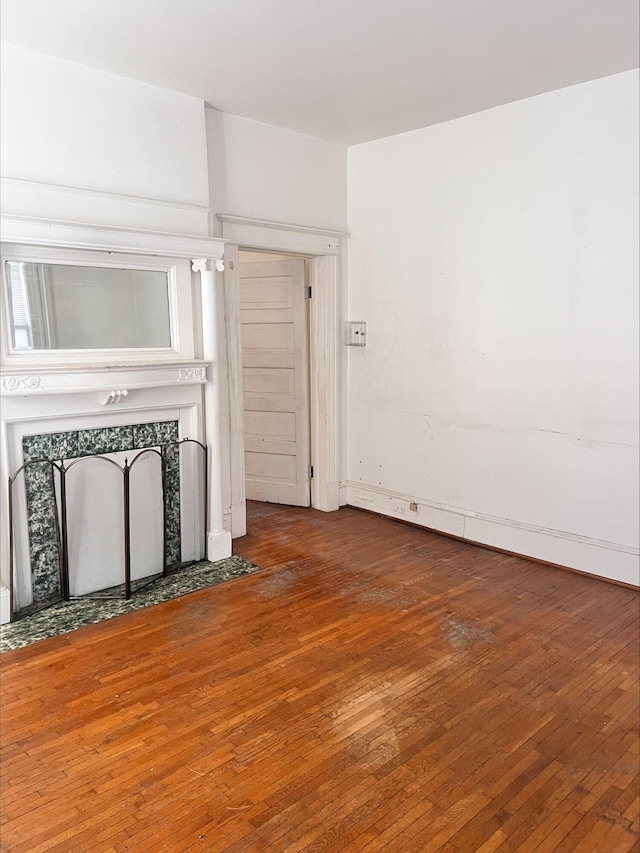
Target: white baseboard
x,y
343,493
218,545
398,505
5,606
609,560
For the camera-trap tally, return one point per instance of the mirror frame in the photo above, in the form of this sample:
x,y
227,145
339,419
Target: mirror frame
x,y
180,295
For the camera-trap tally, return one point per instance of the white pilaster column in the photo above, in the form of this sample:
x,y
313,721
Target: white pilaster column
x,y
218,539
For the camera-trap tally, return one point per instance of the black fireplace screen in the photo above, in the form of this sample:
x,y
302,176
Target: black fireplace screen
x,y
54,474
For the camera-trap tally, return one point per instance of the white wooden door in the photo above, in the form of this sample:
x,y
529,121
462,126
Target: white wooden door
x,y
275,379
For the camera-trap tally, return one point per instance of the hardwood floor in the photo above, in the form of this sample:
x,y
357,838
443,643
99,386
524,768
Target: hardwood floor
x,y
375,688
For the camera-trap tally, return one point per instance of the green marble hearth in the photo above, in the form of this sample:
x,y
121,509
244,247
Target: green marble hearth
x,y
67,616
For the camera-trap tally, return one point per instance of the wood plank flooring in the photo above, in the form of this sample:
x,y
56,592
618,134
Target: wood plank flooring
x,y
375,688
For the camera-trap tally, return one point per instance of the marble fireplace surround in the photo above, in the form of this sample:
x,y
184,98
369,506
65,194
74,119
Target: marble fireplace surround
x,y
42,509
40,397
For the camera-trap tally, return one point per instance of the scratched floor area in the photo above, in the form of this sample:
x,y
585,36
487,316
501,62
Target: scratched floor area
x,y
374,688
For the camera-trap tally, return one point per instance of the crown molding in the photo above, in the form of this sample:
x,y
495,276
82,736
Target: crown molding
x,y
21,183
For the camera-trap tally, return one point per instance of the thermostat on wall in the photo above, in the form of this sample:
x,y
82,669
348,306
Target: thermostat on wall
x,y
356,333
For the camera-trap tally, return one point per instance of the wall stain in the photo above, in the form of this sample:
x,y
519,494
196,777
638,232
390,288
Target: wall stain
x,y
591,443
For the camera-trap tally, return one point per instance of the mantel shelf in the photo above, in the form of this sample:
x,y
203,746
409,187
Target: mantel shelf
x,y
23,380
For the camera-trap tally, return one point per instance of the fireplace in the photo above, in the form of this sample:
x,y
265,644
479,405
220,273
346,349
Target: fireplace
x,y
142,391
135,499
171,413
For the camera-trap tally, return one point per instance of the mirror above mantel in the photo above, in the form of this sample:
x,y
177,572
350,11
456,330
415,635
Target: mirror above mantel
x,y
69,307
55,306
83,294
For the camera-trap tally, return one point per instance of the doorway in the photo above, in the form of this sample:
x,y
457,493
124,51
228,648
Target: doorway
x,y
274,322
324,255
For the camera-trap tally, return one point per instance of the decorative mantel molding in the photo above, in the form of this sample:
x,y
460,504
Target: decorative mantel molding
x,y
207,265
104,379
116,396
195,374
218,538
20,383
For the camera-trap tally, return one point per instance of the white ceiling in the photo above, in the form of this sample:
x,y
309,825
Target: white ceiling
x,y
342,70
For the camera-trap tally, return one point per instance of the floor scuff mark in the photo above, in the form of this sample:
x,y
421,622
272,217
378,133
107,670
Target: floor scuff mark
x,y
463,634
277,583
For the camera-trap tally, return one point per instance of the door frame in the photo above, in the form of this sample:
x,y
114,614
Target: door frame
x,y
323,250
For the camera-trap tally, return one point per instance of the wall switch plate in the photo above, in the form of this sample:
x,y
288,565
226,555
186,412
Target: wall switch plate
x,y
356,333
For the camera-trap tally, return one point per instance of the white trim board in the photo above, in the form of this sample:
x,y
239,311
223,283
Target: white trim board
x,y
5,605
107,238
279,236
610,560
22,198
6,183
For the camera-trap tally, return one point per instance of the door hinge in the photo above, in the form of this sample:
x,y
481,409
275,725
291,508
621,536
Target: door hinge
x,y
307,292
311,472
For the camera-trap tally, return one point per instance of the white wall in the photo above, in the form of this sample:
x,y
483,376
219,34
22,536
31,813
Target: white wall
x,y
264,172
67,125
495,259
71,126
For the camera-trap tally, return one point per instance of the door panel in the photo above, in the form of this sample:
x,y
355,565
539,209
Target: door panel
x,y
275,425
271,467
273,292
275,373
268,344
256,380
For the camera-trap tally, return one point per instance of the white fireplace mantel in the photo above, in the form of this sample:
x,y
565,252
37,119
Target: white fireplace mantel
x,y
75,379
104,410
119,388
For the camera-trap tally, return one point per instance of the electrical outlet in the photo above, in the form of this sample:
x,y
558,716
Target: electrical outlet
x,y
396,507
357,334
